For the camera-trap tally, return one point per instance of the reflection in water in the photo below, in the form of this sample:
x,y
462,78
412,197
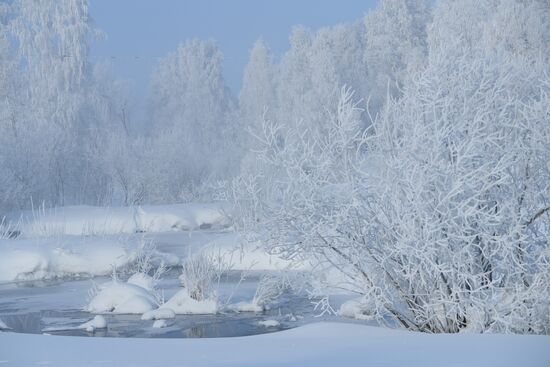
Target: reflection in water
x,y
183,326
30,323
194,332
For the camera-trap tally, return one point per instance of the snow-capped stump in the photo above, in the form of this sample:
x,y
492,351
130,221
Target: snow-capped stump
x,y
182,304
97,322
269,323
159,314
122,298
3,326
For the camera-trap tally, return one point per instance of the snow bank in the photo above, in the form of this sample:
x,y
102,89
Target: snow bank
x,y
91,220
162,218
323,344
182,304
29,259
121,298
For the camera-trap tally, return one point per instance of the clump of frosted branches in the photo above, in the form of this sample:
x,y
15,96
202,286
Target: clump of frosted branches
x,y
199,274
269,289
439,211
146,261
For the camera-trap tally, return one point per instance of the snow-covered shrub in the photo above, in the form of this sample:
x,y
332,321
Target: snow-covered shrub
x,y
269,289
438,213
198,275
147,264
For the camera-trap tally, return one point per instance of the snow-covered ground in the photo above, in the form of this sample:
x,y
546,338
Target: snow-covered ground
x,y
91,241
91,220
66,256
321,344
44,289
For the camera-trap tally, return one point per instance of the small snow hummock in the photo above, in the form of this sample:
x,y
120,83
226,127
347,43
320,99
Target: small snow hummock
x,y
182,304
159,324
97,322
269,323
159,314
246,307
356,309
122,298
3,326
142,280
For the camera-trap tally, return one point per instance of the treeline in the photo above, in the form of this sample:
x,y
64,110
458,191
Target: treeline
x,y
66,130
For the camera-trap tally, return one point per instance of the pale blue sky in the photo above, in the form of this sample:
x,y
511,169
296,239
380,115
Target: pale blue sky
x,y
138,32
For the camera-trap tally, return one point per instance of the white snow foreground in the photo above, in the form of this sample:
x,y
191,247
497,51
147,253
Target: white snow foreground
x,y
33,259
92,220
322,344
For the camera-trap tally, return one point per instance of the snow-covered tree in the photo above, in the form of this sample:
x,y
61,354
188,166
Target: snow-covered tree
x,y
257,101
48,89
10,110
312,72
258,91
395,37
189,105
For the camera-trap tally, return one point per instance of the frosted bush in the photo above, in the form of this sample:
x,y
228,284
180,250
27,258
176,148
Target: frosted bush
x,y
198,276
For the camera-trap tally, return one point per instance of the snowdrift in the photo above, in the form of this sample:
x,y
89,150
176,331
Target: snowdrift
x,y
33,259
321,344
91,220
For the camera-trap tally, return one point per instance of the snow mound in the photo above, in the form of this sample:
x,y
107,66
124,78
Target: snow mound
x,y
159,314
97,322
142,280
122,298
182,304
269,323
356,309
92,221
159,324
29,259
161,218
